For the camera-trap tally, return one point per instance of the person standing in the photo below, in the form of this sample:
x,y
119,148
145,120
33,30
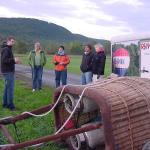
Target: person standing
x,y
61,60
86,65
37,60
98,62
8,70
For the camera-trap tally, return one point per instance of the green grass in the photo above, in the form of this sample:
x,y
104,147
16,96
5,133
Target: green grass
x,y
33,127
25,100
73,67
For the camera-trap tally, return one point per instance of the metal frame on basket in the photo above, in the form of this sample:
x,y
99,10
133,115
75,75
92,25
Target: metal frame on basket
x,y
13,145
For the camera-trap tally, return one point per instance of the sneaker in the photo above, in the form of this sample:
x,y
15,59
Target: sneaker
x,y
33,90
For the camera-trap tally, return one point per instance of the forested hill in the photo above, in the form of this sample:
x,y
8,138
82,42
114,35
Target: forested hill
x,y
27,31
33,29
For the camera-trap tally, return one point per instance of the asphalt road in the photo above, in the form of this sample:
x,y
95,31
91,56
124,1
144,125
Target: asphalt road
x,y
48,75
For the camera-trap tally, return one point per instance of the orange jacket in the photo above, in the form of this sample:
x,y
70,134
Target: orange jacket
x,y
61,62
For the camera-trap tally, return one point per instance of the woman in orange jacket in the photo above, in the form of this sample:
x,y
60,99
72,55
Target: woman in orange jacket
x,y
61,60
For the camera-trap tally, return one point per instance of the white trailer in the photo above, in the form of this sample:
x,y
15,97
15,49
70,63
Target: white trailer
x,y
131,55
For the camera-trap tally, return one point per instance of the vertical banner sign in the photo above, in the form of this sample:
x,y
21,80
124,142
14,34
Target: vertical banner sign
x,y
121,61
145,59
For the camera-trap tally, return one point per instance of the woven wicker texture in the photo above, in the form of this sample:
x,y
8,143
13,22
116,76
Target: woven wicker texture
x,y
128,101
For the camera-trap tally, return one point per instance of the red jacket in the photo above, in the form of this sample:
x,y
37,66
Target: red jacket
x,y
61,62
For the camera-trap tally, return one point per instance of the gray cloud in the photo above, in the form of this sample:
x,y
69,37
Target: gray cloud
x,y
115,15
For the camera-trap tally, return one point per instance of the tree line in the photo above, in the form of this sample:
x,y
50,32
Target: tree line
x,y
73,48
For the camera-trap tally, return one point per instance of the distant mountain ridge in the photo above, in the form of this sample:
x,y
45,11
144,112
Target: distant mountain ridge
x,y
32,29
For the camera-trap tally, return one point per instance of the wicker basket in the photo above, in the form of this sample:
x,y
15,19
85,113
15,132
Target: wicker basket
x,y
124,104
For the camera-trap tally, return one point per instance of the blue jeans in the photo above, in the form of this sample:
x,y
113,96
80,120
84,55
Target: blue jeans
x,y
86,77
60,76
8,95
37,73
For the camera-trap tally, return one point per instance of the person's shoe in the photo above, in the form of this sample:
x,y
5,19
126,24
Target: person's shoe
x,y
5,106
33,90
12,109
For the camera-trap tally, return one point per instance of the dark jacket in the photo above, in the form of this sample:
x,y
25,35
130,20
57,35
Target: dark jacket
x,y
7,59
98,63
86,64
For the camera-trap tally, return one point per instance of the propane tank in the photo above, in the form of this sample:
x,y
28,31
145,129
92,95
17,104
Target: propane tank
x,y
91,139
95,137
70,102
86,104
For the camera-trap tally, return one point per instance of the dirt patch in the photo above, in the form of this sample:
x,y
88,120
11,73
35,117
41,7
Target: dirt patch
x,y
26,81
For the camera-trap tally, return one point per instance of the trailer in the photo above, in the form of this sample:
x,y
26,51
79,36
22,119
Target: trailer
x,y
131,55
110,114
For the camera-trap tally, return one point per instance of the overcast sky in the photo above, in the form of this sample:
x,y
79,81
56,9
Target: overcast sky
x,y
92,18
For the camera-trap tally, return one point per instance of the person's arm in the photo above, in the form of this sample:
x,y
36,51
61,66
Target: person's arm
x,y
81,65
29,58
90,61
5,57
17,60
54,60
101,65
45,59
67,61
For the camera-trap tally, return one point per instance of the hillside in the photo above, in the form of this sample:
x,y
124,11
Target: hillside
x,y
33,29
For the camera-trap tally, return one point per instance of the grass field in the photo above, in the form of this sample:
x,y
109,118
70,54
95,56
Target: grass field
x,y
31,128
25,100
73,67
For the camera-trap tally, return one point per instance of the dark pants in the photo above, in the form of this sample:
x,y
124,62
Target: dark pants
x,y
8,95
60,76
37,73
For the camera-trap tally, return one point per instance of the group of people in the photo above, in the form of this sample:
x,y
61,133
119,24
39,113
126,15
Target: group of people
x,y
37,60
92,67
93,64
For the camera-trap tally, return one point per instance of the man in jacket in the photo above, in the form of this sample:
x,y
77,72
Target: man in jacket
x,y
61,60
8,69
86,65
98,62
37,60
